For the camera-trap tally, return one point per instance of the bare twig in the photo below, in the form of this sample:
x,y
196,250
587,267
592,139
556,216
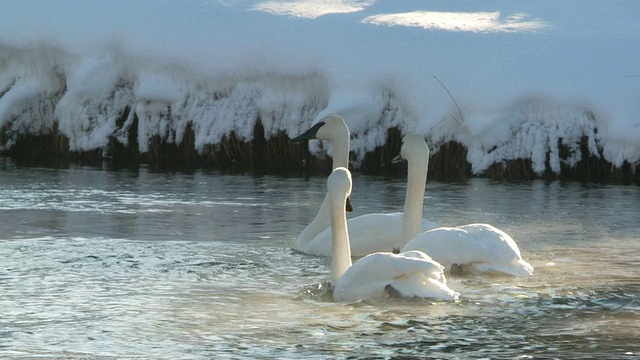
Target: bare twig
x,y
451,96
439,122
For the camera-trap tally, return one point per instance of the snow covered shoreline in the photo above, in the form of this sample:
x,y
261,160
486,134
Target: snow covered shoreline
x,y
549,85
100,108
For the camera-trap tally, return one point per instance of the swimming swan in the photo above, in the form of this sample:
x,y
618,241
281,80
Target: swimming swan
x,y
472,248
409,274
370,232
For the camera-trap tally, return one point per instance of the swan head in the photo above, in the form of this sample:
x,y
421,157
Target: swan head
x,y
414,147
330,128
339,187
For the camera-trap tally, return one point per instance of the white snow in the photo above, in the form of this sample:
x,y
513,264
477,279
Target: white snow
x,y
526,75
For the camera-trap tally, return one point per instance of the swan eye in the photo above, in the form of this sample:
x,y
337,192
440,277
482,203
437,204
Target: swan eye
x,y
348,205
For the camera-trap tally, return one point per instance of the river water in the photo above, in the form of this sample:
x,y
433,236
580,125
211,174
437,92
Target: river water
x,y
99,264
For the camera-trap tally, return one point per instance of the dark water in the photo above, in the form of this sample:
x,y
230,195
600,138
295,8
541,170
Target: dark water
x,y
97,264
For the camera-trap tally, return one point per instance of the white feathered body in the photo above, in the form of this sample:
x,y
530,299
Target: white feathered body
x,y
482,247
411,274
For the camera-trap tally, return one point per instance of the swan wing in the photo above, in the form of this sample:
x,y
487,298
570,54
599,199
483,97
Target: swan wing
x,y
516,268
485,247
494,240
448,246
506,254
412,274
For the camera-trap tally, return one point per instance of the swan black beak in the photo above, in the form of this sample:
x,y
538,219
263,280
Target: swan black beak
x,y
397,159
348,205
309,134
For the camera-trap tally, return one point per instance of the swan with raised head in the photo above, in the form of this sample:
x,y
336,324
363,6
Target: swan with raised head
x,y
473,248
409,274
377,231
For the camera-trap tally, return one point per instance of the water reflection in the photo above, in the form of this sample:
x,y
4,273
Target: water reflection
x,y
117,264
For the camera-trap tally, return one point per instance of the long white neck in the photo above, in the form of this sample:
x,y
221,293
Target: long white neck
x,y
318,225
341,249
416,181
341,143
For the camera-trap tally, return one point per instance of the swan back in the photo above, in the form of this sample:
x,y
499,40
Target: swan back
x,y
339,189
507,257
411,274
483,246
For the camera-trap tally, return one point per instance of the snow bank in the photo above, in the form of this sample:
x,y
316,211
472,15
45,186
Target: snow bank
x,y
527,77
30,87
531,128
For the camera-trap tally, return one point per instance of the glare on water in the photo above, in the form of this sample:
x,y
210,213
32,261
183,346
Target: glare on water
x,y
103,264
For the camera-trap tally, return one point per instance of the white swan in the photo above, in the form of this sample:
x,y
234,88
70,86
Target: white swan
x,y
409,274
371,232
472,248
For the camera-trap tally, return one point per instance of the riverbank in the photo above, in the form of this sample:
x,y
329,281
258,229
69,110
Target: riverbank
x,y
277,155
505,90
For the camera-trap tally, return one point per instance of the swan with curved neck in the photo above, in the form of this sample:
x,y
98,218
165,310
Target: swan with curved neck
x,y
473,248
335,130
377,231
410,274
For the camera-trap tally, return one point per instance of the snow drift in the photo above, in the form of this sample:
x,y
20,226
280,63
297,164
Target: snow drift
x,y
508,80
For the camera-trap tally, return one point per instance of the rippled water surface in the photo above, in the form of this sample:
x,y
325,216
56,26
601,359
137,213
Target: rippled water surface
x,y
98,264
